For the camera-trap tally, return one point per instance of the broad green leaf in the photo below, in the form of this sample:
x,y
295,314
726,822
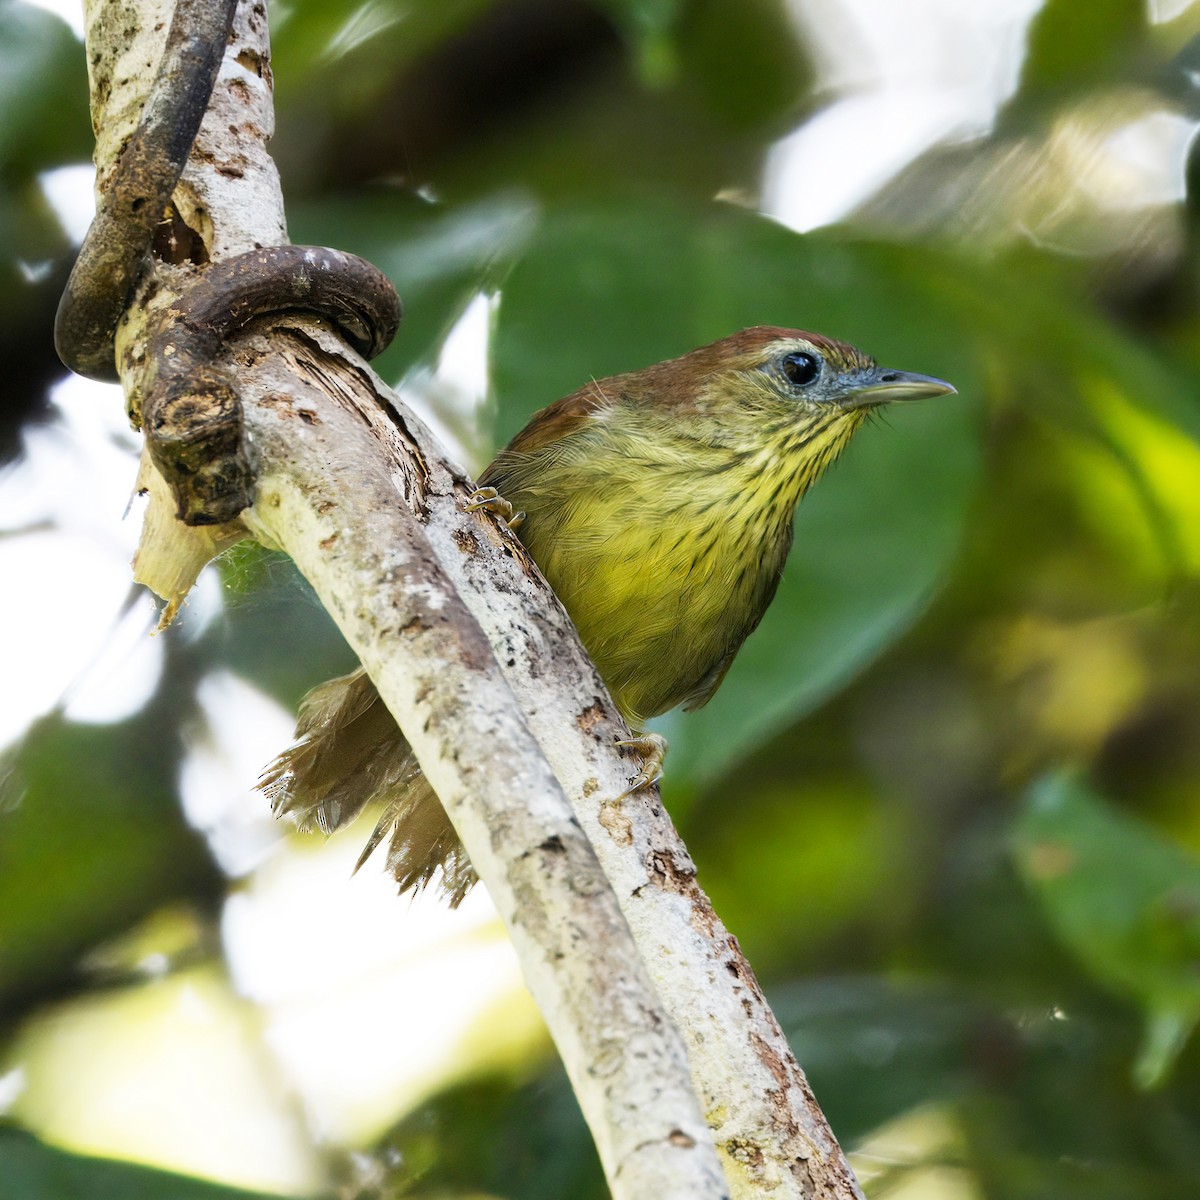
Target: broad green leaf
x,y
1125,900
1074,46
610,289
498,1138
91,839
43,92
32,1170
746,61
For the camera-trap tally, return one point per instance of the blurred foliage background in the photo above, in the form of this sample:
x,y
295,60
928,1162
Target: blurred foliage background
x,y
949,796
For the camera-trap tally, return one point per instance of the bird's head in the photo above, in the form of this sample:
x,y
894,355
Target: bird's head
x,y
777,402
792,375
781,402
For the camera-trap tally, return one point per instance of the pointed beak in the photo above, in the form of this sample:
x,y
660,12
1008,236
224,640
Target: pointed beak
x,y
882,386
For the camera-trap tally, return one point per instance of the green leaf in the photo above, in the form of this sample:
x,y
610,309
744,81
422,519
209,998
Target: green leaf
x,y
1075,46
1125,900
43,92
91,839
498,1138
874,1049
609,289
746,61
32,1170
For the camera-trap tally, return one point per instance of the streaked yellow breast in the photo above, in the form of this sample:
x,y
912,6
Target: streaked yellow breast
x,y
664,546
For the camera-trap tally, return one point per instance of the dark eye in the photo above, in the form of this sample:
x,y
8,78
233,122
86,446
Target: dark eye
x,y
800,368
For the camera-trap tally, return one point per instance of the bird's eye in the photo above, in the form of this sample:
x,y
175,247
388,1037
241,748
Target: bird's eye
x,y
800,368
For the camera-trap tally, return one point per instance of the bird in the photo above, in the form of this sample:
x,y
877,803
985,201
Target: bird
x,y
659,506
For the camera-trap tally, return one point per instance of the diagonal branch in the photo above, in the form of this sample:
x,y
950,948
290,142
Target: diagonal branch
x,y
354,488
327,493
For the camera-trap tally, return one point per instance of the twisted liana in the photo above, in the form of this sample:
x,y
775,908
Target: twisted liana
x,y
191,410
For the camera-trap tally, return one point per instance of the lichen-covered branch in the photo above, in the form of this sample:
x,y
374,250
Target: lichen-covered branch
x,y
327,492
482,669
350,500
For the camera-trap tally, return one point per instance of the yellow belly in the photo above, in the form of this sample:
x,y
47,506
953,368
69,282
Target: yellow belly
x,y
662,591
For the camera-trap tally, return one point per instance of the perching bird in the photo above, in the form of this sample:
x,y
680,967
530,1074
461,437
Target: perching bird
x,y
658,504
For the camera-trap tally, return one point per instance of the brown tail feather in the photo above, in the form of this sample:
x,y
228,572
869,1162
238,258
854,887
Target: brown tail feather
x,y
349,753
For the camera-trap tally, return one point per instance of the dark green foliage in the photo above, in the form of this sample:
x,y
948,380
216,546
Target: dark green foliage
x,y
1126,902
91,841
482,1137
1073,45
947,797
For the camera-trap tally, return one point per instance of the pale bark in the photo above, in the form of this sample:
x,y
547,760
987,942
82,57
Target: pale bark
x,y
328,493
371,512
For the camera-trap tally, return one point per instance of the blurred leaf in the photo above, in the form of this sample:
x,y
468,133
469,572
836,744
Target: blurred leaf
x,y
603,290
270,609
652,17
32,1170
438,256
91,839
1074,46
43,94
32,272
350,51
43,124
747,61
875,1049
1125,900
494,1137
1165,462
824,835
1051,353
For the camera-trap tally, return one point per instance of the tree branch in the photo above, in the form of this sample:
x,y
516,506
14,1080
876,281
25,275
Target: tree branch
x,y
354,488
327,493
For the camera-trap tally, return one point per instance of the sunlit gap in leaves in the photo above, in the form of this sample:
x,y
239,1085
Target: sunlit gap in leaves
x,y
897,91
371,1003
74,633
1167,10
170,1073
1105,176
449,396
237,730
70,192
918,1156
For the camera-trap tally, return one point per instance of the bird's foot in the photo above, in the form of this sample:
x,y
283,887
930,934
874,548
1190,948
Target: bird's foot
x,y
490,500
653,749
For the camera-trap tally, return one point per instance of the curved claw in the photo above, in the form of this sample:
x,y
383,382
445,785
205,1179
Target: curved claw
x,y
653,749
490,500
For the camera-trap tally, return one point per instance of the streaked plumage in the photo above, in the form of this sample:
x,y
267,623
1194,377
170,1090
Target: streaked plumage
x,y
659,506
